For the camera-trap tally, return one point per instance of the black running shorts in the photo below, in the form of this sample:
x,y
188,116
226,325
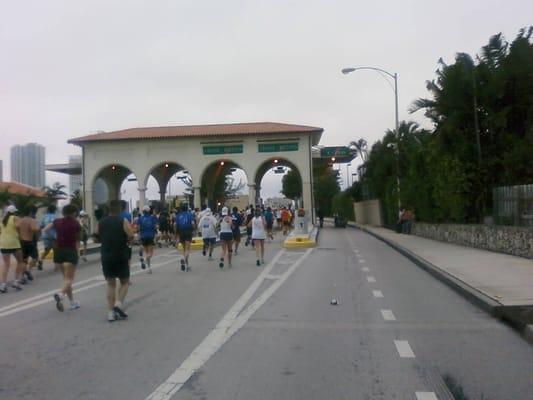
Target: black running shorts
x,y
65,256
29,249
147,242
116,269
226,236
185,236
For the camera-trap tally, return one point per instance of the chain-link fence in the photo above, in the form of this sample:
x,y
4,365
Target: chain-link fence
x,y
513,205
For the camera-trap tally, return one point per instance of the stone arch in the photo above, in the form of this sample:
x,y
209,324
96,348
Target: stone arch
x,y
274,162
212,172
113,175
162,172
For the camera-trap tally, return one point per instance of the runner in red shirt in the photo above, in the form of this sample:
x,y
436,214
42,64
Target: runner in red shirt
x,y
66,252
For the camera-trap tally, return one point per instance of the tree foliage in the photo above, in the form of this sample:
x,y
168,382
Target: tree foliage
x,y
481,109
291,185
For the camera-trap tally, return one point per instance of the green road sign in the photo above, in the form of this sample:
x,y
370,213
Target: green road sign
x,y
230,149
276,147
336,151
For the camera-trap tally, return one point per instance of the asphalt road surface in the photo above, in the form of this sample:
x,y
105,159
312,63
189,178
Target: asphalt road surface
x,y
266,332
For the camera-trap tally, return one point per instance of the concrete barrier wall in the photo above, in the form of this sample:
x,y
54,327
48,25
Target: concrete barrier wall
x,y
504,239
368,212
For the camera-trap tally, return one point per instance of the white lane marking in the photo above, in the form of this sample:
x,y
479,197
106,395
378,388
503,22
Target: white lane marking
x,y
388,315
377,293
362,261
371,279
225,329
404,350
48,299
355,251
99,277
426,396
365,269
358,255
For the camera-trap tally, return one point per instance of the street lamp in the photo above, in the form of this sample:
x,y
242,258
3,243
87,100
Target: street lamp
x,y
394,76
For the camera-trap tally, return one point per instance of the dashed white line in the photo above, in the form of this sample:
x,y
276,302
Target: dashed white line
x,y
426,396
377,293
371,279
362,261
365,269
388,315
234,320
404,350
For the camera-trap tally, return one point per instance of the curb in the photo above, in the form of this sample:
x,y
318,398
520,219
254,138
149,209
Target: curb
x,y
482,301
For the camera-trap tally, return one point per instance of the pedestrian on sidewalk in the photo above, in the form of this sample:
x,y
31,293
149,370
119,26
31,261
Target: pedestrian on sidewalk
x,y
226,237
207,226
406,221
49,237
10,246
147,227
259,234
114,232
185,224
68,232
28,231
237,219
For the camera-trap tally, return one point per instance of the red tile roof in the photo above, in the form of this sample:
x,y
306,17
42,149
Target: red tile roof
x,y
163,132
19,188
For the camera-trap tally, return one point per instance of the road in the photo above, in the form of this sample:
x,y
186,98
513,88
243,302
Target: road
x,y
263,333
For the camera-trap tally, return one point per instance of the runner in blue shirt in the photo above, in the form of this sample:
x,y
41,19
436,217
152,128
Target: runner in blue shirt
x,y
147,225
185,224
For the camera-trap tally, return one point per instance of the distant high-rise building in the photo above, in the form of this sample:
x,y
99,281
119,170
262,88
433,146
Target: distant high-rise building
x,y
27,164
74,181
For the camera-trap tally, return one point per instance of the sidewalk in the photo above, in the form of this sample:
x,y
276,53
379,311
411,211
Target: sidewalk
x,y
501,284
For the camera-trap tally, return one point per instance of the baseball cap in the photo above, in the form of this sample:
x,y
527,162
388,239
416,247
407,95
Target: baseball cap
x,y
224,211
11,209
146,208
83,213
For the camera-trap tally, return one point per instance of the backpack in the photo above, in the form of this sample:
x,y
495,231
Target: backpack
x,y
184,221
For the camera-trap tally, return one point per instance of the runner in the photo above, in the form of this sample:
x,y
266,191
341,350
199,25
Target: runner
x,y
49,237
185,226
66,252
249,216
237,222
269,218
113,233
147,227
286,220
278,218
28,229
164,226
207,226
259,225
226,237
10,245
84,223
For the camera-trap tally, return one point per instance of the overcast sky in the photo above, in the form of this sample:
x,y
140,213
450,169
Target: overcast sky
x,y
70,68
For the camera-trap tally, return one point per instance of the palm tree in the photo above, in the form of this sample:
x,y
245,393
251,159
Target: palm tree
x,y
54,193
361,147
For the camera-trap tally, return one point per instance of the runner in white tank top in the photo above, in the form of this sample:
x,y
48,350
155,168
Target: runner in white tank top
x,y
226,237
258,225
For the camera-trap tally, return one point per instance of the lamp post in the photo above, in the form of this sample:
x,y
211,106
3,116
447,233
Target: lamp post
x,y
394,76
347,175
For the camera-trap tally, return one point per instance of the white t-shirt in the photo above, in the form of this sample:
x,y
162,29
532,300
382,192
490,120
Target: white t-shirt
x,y
258,228
207,226
225,224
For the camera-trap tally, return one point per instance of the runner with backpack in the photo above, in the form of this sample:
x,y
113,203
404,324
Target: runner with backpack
x,y
185,224
147,225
